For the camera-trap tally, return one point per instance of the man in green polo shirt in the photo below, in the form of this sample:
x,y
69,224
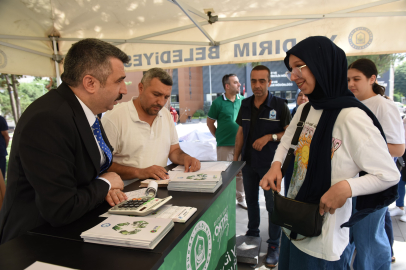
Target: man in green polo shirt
x,y
224,110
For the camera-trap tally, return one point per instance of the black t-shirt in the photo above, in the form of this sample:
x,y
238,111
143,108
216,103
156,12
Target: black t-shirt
x,y
285,120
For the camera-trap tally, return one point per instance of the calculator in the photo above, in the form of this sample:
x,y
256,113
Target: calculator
x,y
141,206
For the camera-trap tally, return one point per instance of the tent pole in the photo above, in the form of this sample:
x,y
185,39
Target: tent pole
x,y
212,42
211,97
56,60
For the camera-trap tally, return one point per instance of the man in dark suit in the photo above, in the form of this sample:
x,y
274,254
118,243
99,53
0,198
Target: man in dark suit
x,y
60,154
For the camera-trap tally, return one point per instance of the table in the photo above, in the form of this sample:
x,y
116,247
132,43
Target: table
x,y
205,241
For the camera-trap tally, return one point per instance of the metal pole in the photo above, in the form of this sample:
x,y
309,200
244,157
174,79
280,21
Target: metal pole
x,y
13,105
211,97
180,5
17,98
58,77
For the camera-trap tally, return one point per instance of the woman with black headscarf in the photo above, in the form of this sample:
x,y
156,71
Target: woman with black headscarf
x,y
341,138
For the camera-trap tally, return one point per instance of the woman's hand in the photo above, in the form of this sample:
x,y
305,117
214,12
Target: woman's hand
x,y
273,178
335,197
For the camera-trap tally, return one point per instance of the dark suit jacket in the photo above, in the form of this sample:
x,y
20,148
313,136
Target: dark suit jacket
x,y
53,166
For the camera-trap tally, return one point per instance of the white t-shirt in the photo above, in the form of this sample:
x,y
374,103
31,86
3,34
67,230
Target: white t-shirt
x,y
389,118
135,142
356,144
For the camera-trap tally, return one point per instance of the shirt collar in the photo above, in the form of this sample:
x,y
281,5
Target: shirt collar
x,y
91,118
225,98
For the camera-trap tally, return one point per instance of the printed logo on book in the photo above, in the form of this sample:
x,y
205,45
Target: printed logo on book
x,y
155,229
199,247
106,225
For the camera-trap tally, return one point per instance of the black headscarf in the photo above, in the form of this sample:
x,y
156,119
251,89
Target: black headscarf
x,y
328,64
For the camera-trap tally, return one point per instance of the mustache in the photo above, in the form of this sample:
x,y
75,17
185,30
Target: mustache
x,y
120,96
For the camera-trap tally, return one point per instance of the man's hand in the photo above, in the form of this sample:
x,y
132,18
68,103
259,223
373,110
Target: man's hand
x,y
260,143
273,178
335,197
155,172
191,164
114,179
115,196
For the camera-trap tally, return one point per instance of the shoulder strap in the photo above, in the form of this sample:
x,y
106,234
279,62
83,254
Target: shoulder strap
x,y
295,138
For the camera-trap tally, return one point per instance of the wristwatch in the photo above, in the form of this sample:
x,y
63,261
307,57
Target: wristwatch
x,y
274,137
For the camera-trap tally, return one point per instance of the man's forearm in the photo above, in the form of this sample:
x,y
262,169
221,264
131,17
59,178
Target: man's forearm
x,y
125,172
239,140
177,156
212,129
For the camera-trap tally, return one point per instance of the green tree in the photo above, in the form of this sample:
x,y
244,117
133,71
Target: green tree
x,y
382,61
28,92
400,79
253,64
397,97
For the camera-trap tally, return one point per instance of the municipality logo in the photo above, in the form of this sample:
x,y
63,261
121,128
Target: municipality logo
x,y
199,247
360,38
3,59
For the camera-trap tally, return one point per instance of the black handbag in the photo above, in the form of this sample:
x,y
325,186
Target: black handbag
x,y
299,217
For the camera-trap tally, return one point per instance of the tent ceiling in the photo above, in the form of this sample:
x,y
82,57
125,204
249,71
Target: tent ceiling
x,y
157,26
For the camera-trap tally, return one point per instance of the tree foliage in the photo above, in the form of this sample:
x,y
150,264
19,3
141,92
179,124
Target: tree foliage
x,y
400,79
382,61
28,92
253,64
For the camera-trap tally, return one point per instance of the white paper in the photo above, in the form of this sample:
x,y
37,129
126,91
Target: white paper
x,y
178,214
45,266
208,166
136,193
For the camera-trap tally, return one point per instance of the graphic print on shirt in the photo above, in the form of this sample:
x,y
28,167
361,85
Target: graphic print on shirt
x,y
301,160
335,145
302,153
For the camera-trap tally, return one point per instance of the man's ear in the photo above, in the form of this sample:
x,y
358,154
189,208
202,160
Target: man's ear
x,y
270,82
140,88
90,83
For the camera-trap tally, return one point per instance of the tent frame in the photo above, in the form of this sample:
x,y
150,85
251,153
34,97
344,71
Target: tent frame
x,y
188,10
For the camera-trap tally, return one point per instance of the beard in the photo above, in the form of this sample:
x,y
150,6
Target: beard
x,y
151,111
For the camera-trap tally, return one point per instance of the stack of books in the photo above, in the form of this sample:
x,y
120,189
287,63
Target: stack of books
x,y
201,181
125,231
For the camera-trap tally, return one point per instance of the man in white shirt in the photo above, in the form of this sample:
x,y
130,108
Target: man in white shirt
x,y
143,134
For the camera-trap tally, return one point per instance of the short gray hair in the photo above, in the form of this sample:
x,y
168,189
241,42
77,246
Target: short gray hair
x,y
90,57
159,73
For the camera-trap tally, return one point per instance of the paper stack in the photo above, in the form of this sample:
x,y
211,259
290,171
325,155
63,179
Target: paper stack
x,y
125,231
179,214
202,181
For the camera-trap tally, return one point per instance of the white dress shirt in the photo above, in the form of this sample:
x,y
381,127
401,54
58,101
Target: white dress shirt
x,y
91,118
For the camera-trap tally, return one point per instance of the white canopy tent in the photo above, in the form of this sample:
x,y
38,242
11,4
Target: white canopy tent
x,y
36,34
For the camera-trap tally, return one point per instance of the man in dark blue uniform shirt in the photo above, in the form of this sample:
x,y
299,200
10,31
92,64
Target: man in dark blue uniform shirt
x,y
263,119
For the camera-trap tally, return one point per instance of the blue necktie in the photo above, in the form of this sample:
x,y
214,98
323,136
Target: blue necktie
x,y
97,133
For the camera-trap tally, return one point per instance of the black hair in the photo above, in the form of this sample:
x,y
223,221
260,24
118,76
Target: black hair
x,y
262,67
226,79
368,68
90,57
159,73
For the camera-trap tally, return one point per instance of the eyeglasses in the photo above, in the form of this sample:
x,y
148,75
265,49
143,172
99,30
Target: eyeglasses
x,y
296,70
